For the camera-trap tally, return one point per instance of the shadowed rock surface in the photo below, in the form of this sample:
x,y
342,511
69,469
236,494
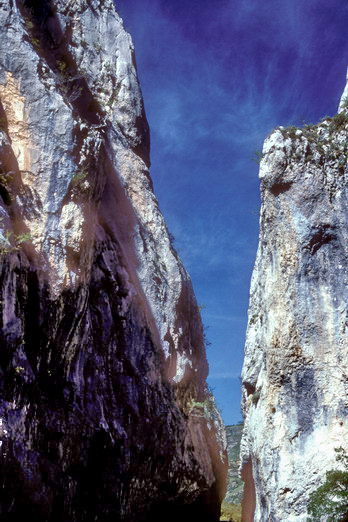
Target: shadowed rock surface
x,y
295,370
104,410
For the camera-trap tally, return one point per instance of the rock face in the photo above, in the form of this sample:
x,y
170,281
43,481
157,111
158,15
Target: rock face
x,y
295,370
104,409
235,485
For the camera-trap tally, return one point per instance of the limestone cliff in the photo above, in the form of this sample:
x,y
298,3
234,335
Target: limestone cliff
x,y
104,409
295,370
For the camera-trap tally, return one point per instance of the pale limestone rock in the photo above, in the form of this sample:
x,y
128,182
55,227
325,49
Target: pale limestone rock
x,y
295,386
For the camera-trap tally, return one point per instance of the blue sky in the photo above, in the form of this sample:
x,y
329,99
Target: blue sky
x,y
217,77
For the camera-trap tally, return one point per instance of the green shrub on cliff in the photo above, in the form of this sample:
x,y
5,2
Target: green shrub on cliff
x,y
338,122
330,500
205,408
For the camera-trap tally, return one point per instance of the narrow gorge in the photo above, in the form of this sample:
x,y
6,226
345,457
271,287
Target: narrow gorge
x,y
295,374
104,408
105,411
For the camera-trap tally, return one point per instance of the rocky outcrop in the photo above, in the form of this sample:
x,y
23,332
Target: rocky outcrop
x,y
104,409
295,369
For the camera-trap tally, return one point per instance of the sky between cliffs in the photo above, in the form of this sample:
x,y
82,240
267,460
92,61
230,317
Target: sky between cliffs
x,y
217,77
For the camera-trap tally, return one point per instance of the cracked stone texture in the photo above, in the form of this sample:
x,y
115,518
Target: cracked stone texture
x,y
295,369
102,355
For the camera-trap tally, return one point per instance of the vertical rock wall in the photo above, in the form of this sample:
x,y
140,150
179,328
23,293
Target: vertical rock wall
x,y
102,359
295,369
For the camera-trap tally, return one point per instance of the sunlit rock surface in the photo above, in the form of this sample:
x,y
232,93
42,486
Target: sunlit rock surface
x,y
104,409
295,369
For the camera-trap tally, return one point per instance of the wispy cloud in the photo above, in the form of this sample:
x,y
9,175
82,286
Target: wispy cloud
x,y
217,77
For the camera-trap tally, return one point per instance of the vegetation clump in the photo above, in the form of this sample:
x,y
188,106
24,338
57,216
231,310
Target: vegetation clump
x,y
310,131
322,144
79,176
18,239
205,408
338,122
5,178
257,156
330,500
23,238
63,67
35,42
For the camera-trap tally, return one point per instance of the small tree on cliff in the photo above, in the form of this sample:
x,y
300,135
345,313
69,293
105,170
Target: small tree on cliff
x,y
330,501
